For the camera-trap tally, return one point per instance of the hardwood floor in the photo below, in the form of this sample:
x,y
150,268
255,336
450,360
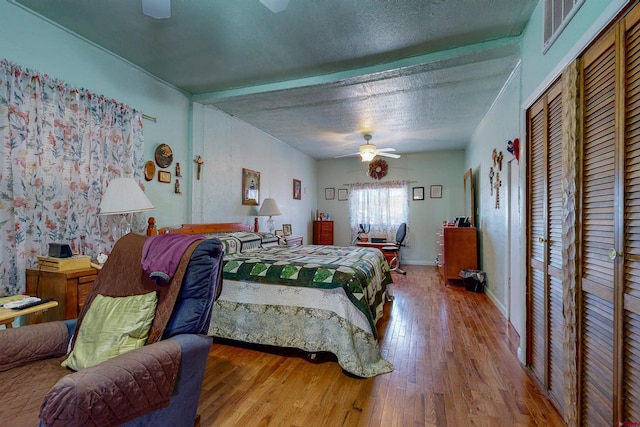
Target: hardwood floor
x,y
454,366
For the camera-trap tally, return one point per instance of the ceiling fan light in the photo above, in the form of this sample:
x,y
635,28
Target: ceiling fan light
x,y
367,152
158,9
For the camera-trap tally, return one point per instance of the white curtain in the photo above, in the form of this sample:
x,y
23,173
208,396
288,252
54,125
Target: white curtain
x,y
59,147
381,206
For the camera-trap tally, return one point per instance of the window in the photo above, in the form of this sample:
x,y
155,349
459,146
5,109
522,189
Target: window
x,y
382,206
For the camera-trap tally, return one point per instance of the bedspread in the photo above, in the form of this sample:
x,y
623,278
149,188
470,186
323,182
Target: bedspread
x,y
361,272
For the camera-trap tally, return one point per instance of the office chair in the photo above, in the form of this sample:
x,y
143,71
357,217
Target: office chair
x,y
395,249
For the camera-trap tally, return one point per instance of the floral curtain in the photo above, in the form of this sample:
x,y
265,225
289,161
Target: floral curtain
x,y
60,147
380,206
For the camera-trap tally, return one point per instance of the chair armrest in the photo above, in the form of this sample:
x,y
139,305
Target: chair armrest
x,y
124,387
19,346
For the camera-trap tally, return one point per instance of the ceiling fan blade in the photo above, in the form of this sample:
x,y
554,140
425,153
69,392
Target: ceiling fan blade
x,y
383,154
158,9
385,149
346,155
275,6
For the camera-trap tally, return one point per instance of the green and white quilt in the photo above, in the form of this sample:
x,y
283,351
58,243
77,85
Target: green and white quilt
x,y
315,298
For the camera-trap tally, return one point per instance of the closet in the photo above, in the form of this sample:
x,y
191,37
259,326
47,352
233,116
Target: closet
x,y
545,318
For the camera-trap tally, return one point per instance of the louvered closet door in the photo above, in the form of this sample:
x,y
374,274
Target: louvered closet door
x,y
598,232
629,407
545,244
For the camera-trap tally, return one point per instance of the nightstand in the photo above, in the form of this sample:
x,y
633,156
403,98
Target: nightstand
x,y
293,240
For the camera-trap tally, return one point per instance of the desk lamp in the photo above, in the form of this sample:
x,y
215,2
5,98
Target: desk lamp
x,y
124,196
269,208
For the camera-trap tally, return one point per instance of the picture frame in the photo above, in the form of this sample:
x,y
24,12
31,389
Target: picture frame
x,y
329,193
279,233
286,229
436,192
250,187
297,189
343,194
164,176
418,193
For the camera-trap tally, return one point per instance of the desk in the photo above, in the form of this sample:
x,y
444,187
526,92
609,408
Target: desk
x,y
7,315
387,255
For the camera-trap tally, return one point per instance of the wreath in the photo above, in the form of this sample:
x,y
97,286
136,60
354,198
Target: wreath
x,y
378,169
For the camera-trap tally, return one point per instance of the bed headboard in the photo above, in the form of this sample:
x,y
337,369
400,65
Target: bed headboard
x,y
220,227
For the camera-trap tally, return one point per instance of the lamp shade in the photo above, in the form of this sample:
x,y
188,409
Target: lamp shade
x,y
269,208
124,195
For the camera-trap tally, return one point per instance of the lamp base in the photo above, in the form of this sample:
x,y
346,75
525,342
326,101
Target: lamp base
x,y
271,225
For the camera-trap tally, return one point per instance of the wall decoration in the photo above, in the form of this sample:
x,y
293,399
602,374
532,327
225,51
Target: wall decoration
x,y
178,174
286,229
513,147
297,189
164,155
329,193
343,194
491,175
378,169
497,184
435,191
499,161
164,176
177,189
250,187
149,170
418,193
200,162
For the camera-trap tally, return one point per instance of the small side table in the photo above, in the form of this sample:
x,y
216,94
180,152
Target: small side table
x,y
293,240
8,315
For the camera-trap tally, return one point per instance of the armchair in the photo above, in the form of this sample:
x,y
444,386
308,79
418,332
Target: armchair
x,y
157,384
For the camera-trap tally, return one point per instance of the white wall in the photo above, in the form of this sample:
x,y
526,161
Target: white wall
x,y
501,124
444,168
34,43
227,145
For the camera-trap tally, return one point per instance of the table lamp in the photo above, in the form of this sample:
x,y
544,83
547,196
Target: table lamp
x,y
124,196
269,208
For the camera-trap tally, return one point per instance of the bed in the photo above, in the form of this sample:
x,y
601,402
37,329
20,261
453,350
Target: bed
x,y
309,297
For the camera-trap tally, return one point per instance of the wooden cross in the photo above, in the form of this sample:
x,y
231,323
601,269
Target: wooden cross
x,y
200,162
497,186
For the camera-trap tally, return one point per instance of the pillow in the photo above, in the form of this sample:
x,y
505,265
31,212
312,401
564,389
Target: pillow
x,y
112,326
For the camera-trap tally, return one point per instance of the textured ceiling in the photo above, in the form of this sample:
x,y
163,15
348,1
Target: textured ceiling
x,y
419,75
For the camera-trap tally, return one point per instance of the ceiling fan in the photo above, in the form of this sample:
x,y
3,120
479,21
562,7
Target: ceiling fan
x,y
369,151
161,9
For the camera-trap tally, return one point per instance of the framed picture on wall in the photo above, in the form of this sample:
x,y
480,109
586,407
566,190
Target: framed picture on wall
x,y
418,193
343,194
329,193
436,191
250,187
297,189
164,176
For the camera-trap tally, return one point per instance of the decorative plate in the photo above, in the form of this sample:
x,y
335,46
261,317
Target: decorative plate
x,y
378,169
149,170
164,155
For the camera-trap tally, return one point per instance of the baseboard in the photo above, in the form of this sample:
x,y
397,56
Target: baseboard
x,y
495,301
417,262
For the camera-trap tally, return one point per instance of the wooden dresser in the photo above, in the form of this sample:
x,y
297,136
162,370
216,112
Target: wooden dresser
x,y
69,288
323,232
457,250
